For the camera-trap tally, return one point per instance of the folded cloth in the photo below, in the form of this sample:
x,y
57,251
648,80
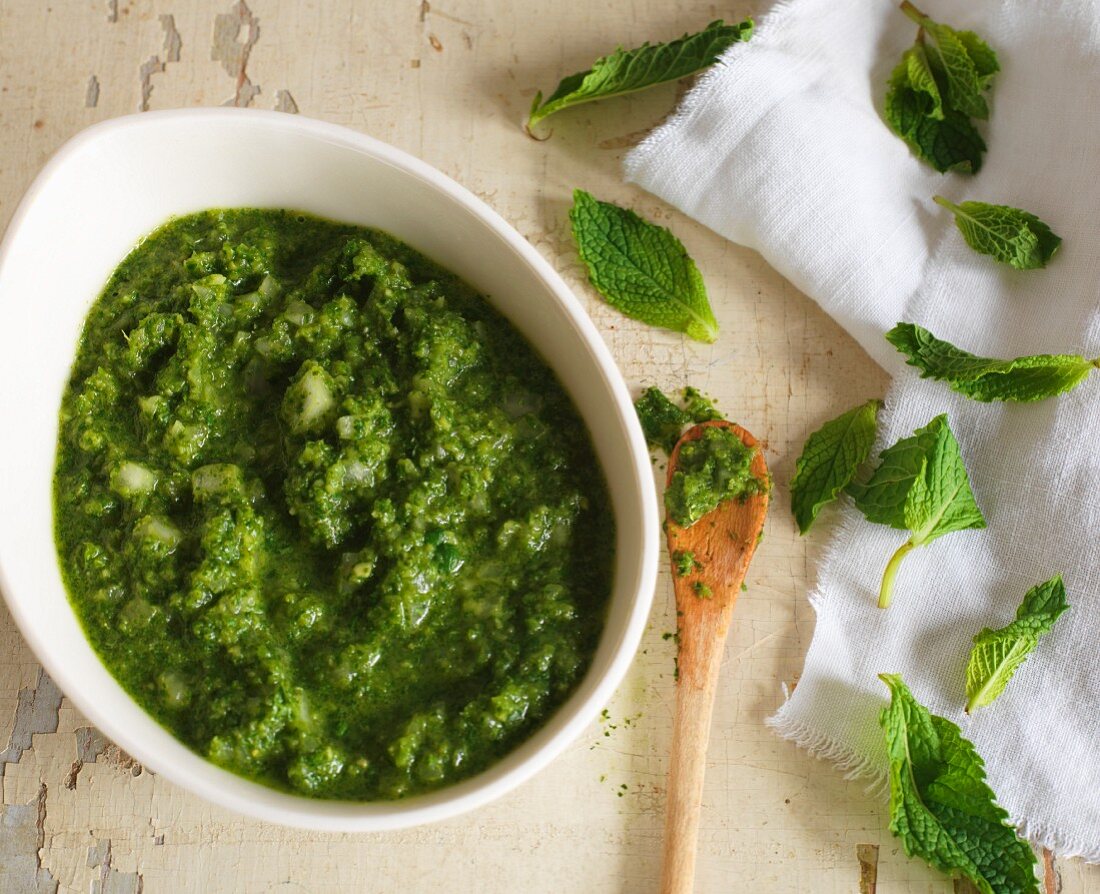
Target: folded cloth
x,y
782,147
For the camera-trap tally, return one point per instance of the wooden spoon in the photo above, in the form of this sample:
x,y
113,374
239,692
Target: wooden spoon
x,y
723,542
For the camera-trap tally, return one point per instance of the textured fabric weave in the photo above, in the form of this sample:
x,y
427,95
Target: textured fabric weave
x,y
782,147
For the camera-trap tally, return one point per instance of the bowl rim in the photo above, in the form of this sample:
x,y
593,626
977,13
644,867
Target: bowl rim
x,y
572,716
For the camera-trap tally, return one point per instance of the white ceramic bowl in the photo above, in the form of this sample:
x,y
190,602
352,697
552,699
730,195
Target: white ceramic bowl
x,y
115,182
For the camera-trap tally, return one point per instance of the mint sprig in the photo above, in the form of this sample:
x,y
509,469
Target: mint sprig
x,y
1022,379
941,807
1012,236
830,459
627,71
641,269
960,60
998,653
935,91
920,486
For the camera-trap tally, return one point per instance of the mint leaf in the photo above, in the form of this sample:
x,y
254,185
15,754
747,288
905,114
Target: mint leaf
x,y
1008,234
982,55
961,60
920,486
941,808
998,653
919,77
641,268
940,136
625,71
830,459
1023,379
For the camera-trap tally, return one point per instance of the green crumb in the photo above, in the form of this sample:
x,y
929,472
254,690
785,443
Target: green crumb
x,y
662,421
702,590
675,637
603,777
744,587
699,407
715,468
685,562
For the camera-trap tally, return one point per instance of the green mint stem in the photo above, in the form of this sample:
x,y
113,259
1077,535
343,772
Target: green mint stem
x,y
979,696
940,200
886,591
913,13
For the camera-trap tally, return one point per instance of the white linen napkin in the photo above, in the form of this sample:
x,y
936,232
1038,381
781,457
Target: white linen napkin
x,y
782,147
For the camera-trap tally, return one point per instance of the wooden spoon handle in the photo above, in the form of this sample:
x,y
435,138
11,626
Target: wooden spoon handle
x,y
687,769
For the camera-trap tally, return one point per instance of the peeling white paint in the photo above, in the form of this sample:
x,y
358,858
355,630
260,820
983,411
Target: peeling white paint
x,y
91,93
36,712
22,839
91,746
284,102
233,53
110,880
173,43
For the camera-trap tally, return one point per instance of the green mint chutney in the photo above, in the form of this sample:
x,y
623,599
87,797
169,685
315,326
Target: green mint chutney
x,y
322,511
711,470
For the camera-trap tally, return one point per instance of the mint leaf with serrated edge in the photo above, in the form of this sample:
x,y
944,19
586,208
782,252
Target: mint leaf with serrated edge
x,y
627,71
961,61
830,459
1022,379
641,269
998,653
1012,236
920,486
941,807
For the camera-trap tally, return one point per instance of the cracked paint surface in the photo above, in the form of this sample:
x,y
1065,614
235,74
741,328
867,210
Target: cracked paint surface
x,y
35,712
91,745
110,880
91,93
154,64
284,102
22,839
232,52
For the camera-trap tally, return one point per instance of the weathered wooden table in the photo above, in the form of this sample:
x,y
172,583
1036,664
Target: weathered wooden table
x,y
450,81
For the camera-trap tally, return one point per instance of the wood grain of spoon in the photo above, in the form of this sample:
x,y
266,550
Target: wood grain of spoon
x,y
723,542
